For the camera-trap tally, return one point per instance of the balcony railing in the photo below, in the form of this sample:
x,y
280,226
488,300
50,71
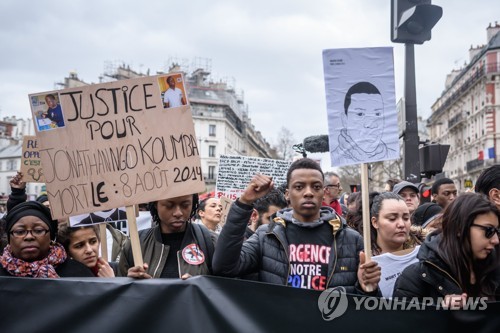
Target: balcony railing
x,y
489,69
455,120
474,164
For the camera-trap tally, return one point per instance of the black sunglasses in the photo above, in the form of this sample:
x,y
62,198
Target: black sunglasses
x,y
488,231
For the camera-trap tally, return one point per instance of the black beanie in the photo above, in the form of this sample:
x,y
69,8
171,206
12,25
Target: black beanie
x,y
42,198
30,208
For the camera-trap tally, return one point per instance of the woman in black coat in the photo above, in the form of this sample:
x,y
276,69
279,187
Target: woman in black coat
x,y
32,250
462,260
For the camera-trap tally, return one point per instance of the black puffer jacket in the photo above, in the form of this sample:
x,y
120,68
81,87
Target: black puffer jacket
x,y
430,277
266,252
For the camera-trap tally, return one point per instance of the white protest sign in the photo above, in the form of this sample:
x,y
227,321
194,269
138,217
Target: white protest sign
x,y
361,105
235,173
116,144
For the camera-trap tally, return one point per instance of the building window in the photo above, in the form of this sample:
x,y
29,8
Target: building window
x,y
211,151
211,130
11,165
211,172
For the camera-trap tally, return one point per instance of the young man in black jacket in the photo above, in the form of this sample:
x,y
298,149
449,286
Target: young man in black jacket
x,y
305,246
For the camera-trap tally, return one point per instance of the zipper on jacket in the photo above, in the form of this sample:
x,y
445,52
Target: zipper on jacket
x,y
445,272
159,261
335,263
286,253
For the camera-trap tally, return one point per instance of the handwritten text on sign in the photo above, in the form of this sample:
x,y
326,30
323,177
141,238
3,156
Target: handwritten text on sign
x,y
235,173
31,165
118,147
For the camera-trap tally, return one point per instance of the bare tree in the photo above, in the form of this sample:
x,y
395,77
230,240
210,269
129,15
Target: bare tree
x,y
284,145
350,175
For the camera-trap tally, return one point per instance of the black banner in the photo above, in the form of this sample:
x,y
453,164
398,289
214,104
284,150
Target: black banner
x,y
210,304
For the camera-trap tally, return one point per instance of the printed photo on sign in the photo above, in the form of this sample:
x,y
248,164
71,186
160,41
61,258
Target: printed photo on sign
x,y
47,112
105,216
193,255
173,92
361,107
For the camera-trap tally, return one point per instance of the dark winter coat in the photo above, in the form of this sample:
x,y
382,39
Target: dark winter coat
x,y
430,277
155,253
266,251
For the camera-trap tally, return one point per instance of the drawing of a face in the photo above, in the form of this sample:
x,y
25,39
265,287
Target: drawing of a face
x,y
365,120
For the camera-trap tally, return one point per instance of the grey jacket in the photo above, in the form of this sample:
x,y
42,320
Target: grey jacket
x,y
266,251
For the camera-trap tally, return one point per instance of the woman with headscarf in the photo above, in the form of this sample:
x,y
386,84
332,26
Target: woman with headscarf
x,y
32,250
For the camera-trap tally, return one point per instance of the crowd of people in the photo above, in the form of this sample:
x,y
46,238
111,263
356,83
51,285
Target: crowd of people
x,y
306,233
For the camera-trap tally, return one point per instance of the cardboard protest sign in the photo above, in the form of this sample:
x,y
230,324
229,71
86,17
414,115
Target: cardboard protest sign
x,y
115,144
226,204
235,172
361,105
31,164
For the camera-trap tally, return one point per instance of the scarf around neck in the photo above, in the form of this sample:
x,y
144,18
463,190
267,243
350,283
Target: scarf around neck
x,y
44,268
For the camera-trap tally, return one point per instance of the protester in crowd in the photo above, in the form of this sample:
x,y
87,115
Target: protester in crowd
x,y
390,225
280,251
425,214
263,209
210,214
444,192
409,192
460,260
43,199
389,184
32,250
352,202
82,244
333,188
488,184
354,218
394,244
175,247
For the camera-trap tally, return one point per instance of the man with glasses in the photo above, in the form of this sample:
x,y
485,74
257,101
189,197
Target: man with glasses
x,y
332,192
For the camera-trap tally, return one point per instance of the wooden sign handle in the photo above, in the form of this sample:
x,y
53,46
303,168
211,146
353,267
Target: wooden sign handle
x,y
366,217
134,236
104,241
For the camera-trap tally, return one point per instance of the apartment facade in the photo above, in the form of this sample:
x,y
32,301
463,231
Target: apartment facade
x,y
467,114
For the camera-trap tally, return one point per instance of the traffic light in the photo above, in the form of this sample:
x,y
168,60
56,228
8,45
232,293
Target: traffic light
x,y
432,158
425,193
413,20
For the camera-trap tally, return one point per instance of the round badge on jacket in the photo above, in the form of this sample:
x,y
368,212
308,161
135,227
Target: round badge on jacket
x,y
193,255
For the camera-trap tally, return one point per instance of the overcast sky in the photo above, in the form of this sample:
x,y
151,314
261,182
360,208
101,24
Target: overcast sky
x,y
273,49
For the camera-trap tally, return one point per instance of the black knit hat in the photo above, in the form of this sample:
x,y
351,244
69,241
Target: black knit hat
x,y
424,212
42,198
30,208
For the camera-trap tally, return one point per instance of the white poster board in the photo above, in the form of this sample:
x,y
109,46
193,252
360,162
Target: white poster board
x,y
361,105
235,173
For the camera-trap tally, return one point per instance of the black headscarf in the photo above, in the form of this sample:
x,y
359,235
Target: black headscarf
x,y
30,208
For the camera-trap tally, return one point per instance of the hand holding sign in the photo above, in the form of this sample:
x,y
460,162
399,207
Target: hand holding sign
x,y
259,186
